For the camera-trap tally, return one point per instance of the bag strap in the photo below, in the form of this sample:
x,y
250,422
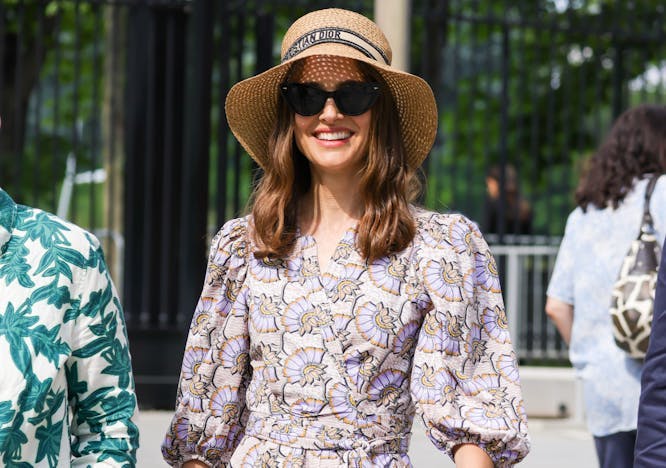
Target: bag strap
x,y
647,224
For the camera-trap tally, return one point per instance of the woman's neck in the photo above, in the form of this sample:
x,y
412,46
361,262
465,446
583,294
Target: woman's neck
x,y
334,205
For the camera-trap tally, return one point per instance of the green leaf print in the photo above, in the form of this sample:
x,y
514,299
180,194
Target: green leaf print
x,y
14,265
47,229
34,396
97,301
59,261
15,323
119,365
48,343
115,449
106,332
88,409
53,403
121,406
6,412
76,387
12,440
49,437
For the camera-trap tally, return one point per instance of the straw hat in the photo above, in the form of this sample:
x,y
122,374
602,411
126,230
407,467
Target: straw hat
x,y
251,105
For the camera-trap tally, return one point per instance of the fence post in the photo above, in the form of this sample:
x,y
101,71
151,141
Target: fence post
x,y
513,299
194,199
394,17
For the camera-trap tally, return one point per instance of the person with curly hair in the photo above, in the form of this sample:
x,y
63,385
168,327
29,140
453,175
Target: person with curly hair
x,y
610,198
337,309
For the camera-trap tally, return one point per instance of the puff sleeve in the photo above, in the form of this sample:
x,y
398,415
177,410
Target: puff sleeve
x,y
465,381
210,406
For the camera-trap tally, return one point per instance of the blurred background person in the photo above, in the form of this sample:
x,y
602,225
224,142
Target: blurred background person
x,y
610,199
516,216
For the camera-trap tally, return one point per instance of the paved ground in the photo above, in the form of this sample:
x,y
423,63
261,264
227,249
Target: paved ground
x,y
555,443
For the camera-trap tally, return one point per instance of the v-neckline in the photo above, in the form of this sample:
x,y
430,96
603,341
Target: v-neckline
x,y
312,244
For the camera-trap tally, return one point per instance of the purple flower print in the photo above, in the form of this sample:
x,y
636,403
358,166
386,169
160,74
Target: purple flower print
x,y
405,339
424,384
192,359
444,279
461,237
195,394
430,339
386,387
486,272
387,273
304,366
475,346
507,367
342,403
490,415
307,406
265,269
375,323
202,315
224,403
452,333
495,323
264,313
301,317
234,354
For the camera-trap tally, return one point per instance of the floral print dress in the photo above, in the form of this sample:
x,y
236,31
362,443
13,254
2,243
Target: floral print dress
x,y
290,366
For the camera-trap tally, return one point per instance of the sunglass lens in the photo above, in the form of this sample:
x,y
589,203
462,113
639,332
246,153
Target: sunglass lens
x,y
303,99
356,98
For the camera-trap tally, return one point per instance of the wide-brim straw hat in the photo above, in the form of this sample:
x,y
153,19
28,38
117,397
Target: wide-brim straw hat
x,y
252,104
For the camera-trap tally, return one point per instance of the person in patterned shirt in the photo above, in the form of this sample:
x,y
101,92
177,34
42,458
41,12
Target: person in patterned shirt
x,y
337,310
66,387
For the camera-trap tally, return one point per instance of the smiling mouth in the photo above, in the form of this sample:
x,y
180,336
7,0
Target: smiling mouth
x,y
333,136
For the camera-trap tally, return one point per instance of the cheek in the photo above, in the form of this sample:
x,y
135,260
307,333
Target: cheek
x,y
300,124
364,123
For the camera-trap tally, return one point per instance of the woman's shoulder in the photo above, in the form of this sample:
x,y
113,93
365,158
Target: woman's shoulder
x,y
232,236
447,231
427,219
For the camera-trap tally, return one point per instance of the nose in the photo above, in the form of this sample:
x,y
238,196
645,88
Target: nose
x,y
330,112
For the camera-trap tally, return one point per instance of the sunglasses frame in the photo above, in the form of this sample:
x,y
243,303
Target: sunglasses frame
x,y
370,89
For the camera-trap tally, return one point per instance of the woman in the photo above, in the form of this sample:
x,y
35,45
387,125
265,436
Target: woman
x,y
597,237
336,309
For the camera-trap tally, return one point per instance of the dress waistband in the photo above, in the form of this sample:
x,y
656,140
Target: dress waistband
x,y
326,434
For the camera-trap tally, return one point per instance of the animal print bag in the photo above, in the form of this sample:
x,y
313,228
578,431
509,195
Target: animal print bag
x,y
633,292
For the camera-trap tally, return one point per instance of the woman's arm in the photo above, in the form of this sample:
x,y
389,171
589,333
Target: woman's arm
x,y
472,456
561,314
194,464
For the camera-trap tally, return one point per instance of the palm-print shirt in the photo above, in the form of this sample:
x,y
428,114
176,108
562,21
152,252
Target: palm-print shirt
x,y
63,348
287,365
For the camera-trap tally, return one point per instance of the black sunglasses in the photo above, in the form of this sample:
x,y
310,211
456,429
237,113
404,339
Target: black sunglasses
x,y
350,98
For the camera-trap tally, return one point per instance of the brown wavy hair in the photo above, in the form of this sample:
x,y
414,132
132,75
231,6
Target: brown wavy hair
x,y
635,146
387,183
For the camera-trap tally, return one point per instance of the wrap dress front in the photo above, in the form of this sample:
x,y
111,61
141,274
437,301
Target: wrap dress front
x,y
290,366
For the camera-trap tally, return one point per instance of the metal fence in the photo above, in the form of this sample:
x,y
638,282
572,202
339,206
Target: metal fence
x,y
112,115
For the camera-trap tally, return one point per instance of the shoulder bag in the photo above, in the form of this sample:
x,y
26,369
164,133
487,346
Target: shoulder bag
x,y
632,296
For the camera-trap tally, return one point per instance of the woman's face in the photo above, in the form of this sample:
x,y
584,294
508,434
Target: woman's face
x,y
334,143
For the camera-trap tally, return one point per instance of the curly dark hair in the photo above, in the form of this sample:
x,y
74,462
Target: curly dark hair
x,y
635,146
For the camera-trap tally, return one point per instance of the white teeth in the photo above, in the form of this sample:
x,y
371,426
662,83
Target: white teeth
x,y
333,135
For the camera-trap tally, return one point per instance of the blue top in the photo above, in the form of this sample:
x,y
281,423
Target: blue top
x,y
651,436
588,262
